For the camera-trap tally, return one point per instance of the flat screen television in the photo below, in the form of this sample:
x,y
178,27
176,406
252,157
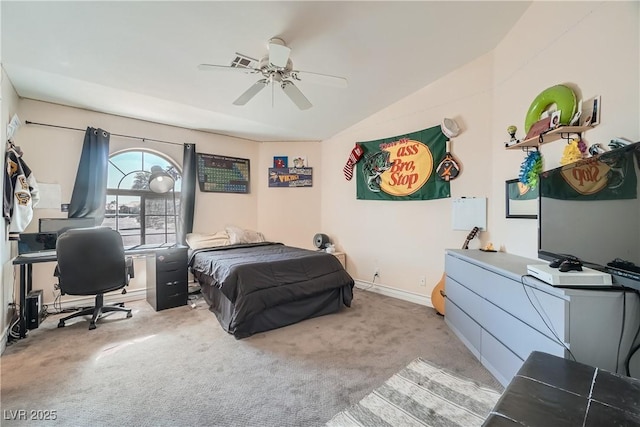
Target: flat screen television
x,y
591,209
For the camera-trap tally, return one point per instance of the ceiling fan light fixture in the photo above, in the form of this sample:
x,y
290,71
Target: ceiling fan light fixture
x,y
278,53
276,67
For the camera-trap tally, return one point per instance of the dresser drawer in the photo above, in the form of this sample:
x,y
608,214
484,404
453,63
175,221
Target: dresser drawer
x,y
171,301
519,337
171,259
498,359
172,287
530,304
164,277
463,326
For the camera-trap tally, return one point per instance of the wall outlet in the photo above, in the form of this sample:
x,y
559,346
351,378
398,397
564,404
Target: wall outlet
x,y
422,282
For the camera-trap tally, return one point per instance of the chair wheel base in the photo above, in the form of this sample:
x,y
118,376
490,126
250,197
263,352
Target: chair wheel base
x,y
92,326
129,314
61,324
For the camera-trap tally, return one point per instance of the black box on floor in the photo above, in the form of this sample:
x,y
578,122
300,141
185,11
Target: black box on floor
x,y
33,310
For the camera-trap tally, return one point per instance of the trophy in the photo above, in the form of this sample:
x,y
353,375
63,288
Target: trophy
x,y
512,133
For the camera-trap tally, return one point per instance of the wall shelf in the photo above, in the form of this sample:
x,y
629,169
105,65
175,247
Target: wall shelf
x,y
564,132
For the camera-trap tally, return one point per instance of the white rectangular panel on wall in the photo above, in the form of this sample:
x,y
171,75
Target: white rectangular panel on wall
x,y
50,196
469,212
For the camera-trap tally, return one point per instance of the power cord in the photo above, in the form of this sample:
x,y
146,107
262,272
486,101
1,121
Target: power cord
x,y
14,330
624,310
524,287
633,349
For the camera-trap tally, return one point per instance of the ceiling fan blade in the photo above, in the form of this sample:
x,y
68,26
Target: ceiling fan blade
x,y
278,53
323,79
251,92
213,67
295,95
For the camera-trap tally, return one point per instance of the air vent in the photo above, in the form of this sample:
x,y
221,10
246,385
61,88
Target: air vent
x,y
242,61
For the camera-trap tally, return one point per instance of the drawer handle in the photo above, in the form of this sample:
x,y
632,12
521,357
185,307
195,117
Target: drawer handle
x,y
442,293
172,283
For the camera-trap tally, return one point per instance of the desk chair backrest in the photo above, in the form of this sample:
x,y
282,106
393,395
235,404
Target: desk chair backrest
x,y
91,261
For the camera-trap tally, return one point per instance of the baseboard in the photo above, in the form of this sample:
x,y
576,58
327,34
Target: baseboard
x,y
393,292
88,301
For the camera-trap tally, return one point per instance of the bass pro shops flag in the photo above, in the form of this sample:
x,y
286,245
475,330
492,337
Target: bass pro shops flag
x,y
403,167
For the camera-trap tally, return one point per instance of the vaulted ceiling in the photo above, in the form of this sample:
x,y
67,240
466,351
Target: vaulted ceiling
x,y
140,59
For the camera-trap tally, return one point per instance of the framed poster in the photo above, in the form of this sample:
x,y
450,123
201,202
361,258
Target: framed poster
x,y
222,174
290,177
591,111
521,200
280,162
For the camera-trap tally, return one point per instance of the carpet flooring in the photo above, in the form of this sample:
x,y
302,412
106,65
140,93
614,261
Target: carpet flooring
x,y
421,395
178,367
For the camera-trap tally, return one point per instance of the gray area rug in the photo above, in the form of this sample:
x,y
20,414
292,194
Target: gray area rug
x,y
421,395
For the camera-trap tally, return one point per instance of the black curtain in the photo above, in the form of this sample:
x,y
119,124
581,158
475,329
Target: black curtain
x,y
188,193
90,189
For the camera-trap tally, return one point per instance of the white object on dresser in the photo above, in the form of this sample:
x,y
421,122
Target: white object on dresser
x,y
555,277
502,317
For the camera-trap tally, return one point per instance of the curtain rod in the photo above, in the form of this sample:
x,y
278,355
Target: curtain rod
x,y
114,134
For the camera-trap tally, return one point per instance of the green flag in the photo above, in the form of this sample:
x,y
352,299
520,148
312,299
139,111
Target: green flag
x,y
609,176
403,167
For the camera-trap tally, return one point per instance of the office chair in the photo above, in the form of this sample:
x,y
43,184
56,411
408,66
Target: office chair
x,y
91,261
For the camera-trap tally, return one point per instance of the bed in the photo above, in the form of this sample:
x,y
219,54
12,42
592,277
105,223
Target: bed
x,y
256,287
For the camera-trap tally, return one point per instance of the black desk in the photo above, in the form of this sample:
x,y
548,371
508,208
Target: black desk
x,y
26,273
26,279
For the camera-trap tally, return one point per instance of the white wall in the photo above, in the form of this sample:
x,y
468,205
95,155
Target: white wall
x,y
406,240
290,215
593,46
9,106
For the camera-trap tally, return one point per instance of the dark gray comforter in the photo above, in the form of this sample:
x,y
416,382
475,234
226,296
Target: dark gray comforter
x,y
257,277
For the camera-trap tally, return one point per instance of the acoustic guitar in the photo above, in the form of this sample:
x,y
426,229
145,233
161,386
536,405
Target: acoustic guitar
x,y
438,295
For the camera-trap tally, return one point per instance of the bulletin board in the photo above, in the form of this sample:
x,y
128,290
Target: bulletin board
x,y
222,174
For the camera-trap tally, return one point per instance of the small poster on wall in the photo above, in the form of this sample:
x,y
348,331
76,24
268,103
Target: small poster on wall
x,y
299,162
290,177
280,162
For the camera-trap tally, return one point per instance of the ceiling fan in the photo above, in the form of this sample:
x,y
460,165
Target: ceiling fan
x,y
276,68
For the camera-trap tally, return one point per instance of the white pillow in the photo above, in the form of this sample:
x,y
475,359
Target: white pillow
x,y
239,235
207,240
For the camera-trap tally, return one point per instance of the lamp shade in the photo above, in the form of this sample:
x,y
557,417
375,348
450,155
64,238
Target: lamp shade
x,y
160,181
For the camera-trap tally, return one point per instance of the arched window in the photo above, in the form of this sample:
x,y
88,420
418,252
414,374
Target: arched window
x,y
137,213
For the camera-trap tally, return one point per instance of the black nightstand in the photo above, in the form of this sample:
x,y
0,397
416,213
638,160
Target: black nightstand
x,y
167,278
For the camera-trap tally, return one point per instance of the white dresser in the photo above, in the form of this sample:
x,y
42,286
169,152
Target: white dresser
x,y
502,316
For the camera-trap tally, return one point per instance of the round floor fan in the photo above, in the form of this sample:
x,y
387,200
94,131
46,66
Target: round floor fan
x,y
321,241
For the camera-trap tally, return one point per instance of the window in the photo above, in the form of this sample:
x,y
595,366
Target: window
x,y
137,213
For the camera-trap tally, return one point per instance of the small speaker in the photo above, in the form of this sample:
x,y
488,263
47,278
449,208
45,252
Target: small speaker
x,y
320,241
